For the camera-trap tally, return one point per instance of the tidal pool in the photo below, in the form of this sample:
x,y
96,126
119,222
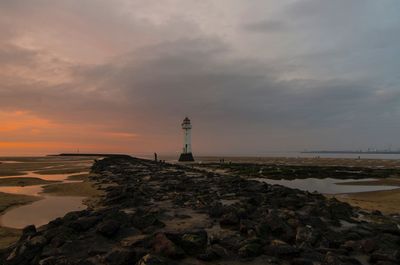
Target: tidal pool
x,y
41,212
32,174
327,185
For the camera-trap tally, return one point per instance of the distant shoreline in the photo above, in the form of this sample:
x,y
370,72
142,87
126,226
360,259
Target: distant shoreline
x,y
353,152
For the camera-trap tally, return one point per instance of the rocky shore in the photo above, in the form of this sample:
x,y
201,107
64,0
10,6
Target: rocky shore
x,y
154,213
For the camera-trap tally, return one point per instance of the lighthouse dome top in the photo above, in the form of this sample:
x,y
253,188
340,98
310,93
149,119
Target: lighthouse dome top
x,y
186,124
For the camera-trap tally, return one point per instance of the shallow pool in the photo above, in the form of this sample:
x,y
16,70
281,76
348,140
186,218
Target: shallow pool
x,y
41,212
44,210
327,185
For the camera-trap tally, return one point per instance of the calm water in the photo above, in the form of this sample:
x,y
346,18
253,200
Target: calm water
x,y
44,210
41,212
199,158
326,185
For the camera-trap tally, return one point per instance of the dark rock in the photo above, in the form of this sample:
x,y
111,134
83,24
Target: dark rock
x,y
144,221
250,249
386,255
162,245
55,261
216,210
37,242
306,235
193,242
28,231
108,228
84,223
300,261
153,260
121,256
368,245
275,226
229,219
280,249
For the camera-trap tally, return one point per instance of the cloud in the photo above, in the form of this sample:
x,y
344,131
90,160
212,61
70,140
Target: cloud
x,y
266,26
125,74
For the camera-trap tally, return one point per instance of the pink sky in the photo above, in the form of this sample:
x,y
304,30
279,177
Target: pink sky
x,y
253,76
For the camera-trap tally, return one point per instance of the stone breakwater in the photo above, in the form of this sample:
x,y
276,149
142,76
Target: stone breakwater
x,y
169,214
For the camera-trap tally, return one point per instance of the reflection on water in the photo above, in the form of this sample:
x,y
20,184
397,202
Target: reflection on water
x,y
326,185
31,174
26,190
41,212
44,210
34,190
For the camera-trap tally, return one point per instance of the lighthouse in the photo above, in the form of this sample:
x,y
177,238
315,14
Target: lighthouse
x,y
186,155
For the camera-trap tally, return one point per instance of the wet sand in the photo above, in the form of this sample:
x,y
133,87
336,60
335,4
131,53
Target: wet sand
x,y
7,201
313,161
26,175
387,202
83,189
24,181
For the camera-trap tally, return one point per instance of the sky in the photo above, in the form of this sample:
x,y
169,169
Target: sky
x,y
254,76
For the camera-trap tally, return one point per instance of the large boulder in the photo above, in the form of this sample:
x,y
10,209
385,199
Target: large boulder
x,y
108,228
162,245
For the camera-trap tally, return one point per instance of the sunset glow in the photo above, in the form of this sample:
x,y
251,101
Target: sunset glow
x,y
119,76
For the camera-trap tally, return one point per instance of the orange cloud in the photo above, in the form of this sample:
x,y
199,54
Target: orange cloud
x,y
23,132
17,120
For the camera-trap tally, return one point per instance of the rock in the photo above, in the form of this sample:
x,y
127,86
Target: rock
x,y
274,225
216,210
368,245
251,249
214,252
351,245
162,245
301,261
55,261
37,242
121,256
144,221
339,210
150,259
386,255
108,228
331,259
279,248
306,235
28,231
84,223
193,242
229,219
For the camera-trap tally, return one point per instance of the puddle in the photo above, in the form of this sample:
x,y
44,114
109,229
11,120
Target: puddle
x,y
327,185
41,212
44,210
32,174
33,190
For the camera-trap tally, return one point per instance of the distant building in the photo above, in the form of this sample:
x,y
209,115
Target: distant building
x,y
187,155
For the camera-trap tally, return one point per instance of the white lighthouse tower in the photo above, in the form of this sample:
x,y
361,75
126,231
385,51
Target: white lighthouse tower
x,y
187,141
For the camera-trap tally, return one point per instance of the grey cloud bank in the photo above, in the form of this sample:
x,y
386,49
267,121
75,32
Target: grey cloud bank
x,y
302,74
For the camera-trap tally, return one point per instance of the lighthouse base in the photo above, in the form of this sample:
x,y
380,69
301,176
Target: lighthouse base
x,y
186,157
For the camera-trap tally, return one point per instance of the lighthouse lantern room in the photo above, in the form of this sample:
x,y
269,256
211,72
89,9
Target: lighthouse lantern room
x,y
186,155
